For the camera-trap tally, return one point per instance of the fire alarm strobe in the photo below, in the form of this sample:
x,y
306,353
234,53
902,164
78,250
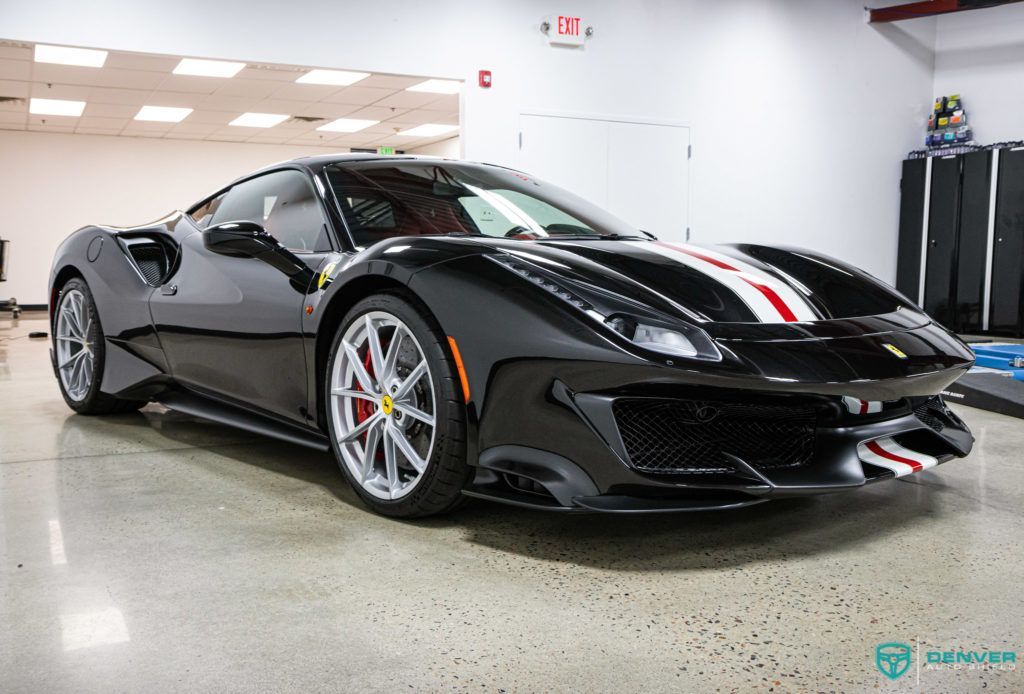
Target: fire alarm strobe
x,y
485,79
563,30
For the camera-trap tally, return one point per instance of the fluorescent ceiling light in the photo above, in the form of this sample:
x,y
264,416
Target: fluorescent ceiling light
x,y
63,55
259,120
336,78
55,107
166,114
436,87
347,125
428,130
207,68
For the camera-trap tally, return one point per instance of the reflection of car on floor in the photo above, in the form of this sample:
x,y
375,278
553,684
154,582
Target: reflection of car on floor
x,y
455,329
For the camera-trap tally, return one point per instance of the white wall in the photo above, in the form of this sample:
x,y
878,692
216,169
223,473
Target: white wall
x,y
54,183
980,55
450,149
800,112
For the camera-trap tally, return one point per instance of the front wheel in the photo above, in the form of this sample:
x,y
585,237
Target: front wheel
x,y
396,418
81,353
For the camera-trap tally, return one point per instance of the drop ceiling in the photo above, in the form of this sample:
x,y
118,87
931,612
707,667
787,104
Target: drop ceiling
x,y
114,93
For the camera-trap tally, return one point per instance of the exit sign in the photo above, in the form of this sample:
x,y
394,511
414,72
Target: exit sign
x,y
385,150
565,30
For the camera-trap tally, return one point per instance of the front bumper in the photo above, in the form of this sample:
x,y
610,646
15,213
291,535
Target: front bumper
x,y
539,477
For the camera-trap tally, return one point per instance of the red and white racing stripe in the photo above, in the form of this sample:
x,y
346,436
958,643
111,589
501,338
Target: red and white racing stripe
x,y
771,300
858,406
885,452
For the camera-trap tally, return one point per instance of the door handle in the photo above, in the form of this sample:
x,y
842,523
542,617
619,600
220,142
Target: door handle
x,y
169,289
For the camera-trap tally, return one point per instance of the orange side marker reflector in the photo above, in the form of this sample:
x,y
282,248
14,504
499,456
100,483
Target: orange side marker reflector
x,y
460,367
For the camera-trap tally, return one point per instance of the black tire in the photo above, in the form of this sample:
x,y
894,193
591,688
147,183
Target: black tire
x,y
440,488
95,402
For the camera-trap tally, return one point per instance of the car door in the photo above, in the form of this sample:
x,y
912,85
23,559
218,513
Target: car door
x,y
230,325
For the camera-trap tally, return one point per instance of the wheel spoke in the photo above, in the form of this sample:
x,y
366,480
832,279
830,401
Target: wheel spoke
x,y
70,338
392,357
370,450
71,322
390,460
415,413
365,380
357,394
407,450
358,430
373,344
410,381
73,359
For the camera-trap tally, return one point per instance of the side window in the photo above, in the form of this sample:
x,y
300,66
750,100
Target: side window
x,y
284,203
204,213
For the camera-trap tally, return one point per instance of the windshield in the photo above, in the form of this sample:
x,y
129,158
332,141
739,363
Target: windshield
x,y
384,199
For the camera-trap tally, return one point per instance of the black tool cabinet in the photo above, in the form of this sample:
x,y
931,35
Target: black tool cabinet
x,y
961,243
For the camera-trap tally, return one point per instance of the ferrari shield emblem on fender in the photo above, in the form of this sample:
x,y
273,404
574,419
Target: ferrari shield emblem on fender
x,y
892,659
325,276
895,350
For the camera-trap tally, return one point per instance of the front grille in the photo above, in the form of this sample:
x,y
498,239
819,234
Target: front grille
x,y
692,436
929,414
151,260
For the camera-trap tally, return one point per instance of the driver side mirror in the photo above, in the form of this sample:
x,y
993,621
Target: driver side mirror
x,y
244,239
240,239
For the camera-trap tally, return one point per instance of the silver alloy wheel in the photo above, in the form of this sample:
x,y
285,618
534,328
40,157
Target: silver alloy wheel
x,y
383,405
75,359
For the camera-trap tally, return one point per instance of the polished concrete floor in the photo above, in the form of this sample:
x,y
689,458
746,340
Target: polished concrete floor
x,y
154,552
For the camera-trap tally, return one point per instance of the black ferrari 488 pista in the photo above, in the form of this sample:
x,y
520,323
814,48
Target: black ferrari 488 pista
x,y
451,329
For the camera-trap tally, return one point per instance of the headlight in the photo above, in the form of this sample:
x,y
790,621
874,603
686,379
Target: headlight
x,y
672,338
679,339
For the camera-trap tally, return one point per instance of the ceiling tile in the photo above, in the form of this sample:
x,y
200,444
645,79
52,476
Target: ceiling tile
x,y
51,128
220,102
362,96
141,61
15,70
95,131
68,121
304,92
321,109
191,84
101,122
224,135
197,130
407,99
376,113
15,53
96,77
108,95
279,106
214,117
14,88
60,91
391,82
12,117
276,73
254,89
147,126
444,102
110,110
424,116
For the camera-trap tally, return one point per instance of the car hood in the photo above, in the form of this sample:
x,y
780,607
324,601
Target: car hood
x,y
735,291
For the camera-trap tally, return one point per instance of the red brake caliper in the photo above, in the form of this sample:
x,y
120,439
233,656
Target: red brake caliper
x,y
364,408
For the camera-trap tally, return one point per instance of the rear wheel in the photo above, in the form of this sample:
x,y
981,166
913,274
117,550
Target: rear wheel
x,y
397,423
81,353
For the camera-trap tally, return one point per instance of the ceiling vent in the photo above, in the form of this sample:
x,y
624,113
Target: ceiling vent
x,y
305,119
11,100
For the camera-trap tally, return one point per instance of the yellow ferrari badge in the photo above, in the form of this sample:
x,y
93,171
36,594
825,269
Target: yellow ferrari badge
x,y
325,275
